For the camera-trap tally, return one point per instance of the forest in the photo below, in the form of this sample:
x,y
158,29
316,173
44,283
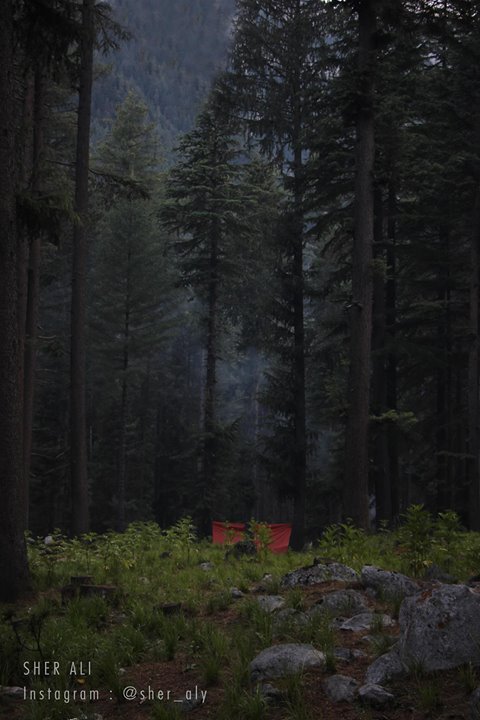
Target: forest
x,y
239,265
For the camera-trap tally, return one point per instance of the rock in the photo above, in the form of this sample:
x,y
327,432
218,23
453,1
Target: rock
x,y
318,573
189,705
271,603
434,572
72,592
364,621
271,694
48,540
13,692
170,608
236,593
264,584
475,705
375,695
385,668
207,566
387,583
286,659
341,688
440,628
348,654
242,549
341,602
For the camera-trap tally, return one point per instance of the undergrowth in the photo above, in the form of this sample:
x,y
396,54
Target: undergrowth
x,y
154,570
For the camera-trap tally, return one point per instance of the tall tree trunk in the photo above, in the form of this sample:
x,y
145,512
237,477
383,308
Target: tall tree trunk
x,y
24,160
33,289
381,474
355,487
297,540
473,464
391,365
122,470
444,383
78,439
14,574
209,459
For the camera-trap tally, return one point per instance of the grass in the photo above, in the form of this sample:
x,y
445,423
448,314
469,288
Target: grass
x,y
151,568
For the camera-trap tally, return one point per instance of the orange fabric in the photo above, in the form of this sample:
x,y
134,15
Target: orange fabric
x,y
280,534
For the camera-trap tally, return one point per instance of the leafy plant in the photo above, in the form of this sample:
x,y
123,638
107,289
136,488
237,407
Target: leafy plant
x,y
182,538
415,537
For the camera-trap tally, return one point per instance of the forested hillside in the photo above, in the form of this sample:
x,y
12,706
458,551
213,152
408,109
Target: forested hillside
x,y
281,319
170,60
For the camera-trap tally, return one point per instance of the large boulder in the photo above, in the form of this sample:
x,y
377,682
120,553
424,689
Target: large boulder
x,y
386,583
341,688
375,695
385,668
475,705
287,659
440,628
341,602
271,603
319,573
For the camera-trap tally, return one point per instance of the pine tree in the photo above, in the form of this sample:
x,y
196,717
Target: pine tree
x,y
272,82
203,205
130,286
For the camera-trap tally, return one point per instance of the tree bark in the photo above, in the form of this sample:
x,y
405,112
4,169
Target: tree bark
x,y
391,365
355,487
78,431
14,574
473,463
122,471
297,540
381,474
33,288
209,459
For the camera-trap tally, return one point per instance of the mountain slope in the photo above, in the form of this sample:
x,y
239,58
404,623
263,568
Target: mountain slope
x,y
176,48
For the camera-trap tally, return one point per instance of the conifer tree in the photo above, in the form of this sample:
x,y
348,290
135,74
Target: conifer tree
x,y
272,80
129,288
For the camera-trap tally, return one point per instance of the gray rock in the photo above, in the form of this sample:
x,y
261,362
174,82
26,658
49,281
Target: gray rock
x,y
341,602
385,668
286,659
206,566
440,628
236,593
475,705
289,616
13,692
264,584
189,705
375,695
271,603
341,688
271,694
364,621
318,573
387,583
434,572
348,654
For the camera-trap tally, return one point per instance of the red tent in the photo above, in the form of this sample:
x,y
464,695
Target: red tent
x,y
234,532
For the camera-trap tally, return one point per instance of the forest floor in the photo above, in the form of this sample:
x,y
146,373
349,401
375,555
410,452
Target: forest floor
x,y
202,645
